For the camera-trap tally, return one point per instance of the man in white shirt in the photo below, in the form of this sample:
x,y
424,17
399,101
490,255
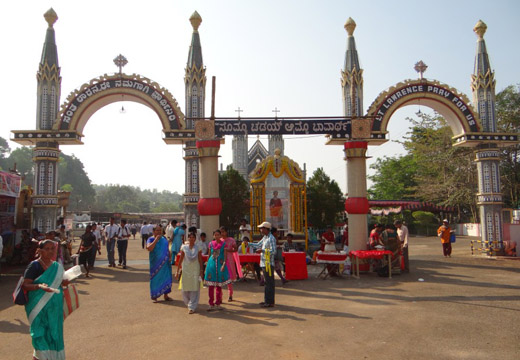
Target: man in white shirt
x,y
169,230
402,232
122,242
144,233
111,231
245,230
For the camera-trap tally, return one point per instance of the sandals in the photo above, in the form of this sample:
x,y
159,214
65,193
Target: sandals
x,y
167,298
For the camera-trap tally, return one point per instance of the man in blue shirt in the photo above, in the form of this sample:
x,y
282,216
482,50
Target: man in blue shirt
x,y
267,247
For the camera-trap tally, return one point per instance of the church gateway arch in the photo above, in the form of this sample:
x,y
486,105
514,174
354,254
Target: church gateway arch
x,y
473,125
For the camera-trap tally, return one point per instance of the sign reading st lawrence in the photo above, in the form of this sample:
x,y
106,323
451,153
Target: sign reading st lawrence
x,y
402,92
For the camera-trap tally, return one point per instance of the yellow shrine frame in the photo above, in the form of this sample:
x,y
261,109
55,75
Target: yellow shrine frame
x,y
277,166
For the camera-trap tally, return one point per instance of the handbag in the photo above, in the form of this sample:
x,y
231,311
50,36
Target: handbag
x,y
19,294
70,300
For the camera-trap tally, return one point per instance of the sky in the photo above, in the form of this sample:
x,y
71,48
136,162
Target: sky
x,y
265,55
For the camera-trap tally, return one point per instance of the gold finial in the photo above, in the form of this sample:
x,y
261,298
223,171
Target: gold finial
x,y
350,26
50,16
195,20
480,29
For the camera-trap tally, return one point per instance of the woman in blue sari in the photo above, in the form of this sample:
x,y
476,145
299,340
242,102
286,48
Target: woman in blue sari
x,y
160,266
42,282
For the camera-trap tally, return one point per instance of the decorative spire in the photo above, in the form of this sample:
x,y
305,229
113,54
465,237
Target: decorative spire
x,y
195,54
50,52
482,64
51,17
195,20
350,26
480,29
352,75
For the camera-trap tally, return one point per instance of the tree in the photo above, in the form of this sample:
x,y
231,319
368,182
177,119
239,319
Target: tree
x,y
4,151
234,193
445,175
508,120
394,178
72,172
325,202
22,157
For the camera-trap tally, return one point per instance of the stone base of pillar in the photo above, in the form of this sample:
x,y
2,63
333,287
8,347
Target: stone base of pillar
x,y
357,232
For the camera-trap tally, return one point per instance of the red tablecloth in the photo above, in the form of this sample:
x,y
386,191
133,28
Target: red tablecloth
x,y
249,258
331,257
370,254
295,265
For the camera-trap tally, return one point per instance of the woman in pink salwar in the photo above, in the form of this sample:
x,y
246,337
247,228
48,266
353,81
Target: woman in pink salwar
x,y
231,249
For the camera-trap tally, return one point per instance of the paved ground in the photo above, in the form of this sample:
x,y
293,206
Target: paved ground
x,y
466,308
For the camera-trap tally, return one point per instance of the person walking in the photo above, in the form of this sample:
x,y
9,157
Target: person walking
x,y
144,234
444,232
191,264
111,231
44,307
86,247
122,242
216,274
267,247
402,232
160,268
231,248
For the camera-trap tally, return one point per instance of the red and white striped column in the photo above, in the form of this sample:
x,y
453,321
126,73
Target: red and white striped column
x,y
209,205
356,204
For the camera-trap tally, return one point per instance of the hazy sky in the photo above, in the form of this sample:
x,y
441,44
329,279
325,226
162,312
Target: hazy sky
x,y
264,54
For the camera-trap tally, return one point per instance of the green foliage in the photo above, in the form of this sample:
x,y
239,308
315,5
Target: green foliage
x,y
325,202
424,217
4,151
394,178
124,198
22,157
234,193
508,119
71,172
67,187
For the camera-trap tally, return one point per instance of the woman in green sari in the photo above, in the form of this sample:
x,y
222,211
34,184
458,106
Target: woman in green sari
x,y
42,282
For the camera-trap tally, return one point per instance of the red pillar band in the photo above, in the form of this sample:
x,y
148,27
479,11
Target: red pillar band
x,y
209,206
356,145
208,143
357,205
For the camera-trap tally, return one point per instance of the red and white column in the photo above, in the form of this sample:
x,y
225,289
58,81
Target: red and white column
x,y
356,204
209,205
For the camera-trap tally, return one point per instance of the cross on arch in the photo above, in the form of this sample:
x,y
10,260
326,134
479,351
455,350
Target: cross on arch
x,y
276,111
239,111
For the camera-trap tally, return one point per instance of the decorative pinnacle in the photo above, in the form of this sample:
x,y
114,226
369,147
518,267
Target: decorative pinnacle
x,y
350,26
50,16
120,62
195,20
480,29
420,67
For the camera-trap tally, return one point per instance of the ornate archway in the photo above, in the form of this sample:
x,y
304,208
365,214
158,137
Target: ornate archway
x,y
447,101
83,102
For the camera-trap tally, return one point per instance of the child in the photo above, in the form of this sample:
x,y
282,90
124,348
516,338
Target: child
x,y
216,274
191,265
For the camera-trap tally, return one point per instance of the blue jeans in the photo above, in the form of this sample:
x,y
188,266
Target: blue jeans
x,y
111,245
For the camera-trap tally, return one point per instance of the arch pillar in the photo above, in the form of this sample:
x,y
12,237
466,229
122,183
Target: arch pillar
x,y
356,204
45,196
209,205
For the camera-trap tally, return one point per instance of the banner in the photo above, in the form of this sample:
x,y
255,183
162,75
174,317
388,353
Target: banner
x,y
10,184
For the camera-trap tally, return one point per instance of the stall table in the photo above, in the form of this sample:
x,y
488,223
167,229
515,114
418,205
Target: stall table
x,y
370,254
330,261
295,265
